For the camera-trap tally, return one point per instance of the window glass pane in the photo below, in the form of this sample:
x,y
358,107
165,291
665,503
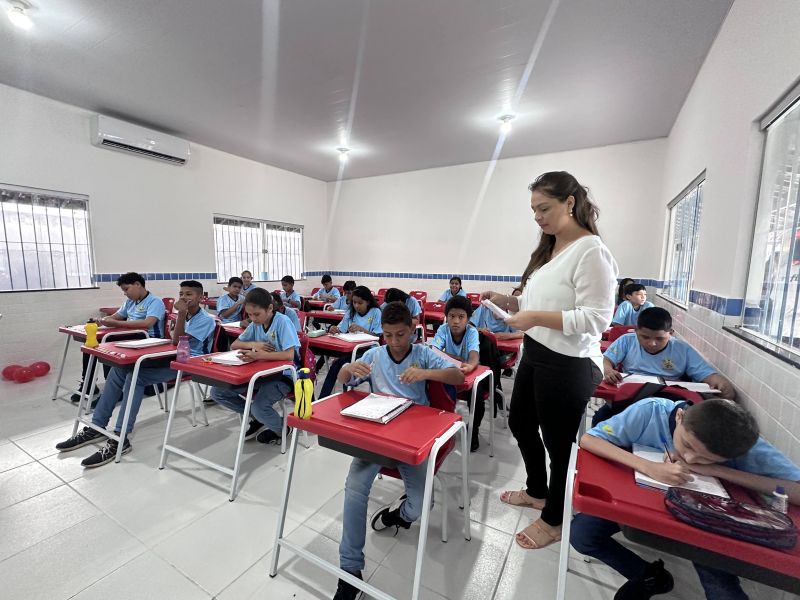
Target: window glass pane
x,y
682,248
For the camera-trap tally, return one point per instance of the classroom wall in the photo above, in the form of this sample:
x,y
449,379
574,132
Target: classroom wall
x,y
754,61
146,216
434,221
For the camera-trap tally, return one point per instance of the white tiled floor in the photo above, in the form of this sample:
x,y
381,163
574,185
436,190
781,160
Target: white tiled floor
x,y
133,532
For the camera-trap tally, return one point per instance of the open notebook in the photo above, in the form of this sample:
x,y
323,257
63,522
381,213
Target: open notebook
x,y
357,337
699,483
144,343
498,312
445,356
700,387
231,358
377,408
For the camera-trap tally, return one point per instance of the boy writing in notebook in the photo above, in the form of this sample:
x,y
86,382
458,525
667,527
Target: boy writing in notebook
x,y
327,293
288,295
635,302
716,437
192,321
400,368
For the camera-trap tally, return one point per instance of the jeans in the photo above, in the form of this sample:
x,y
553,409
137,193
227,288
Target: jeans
x,y
330,378
118,384
271,390
592,536
356,495
551,391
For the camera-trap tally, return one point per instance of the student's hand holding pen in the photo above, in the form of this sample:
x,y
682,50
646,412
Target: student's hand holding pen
x,y
412,375
612,376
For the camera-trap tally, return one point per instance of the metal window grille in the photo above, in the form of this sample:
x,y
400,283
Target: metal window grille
x,y
45,240
268,249
683,237
773,291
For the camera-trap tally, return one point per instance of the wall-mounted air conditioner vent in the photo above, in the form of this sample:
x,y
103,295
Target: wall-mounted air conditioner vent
x,y
126,137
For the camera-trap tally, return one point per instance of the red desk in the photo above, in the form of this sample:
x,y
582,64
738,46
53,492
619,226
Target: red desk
x,y
111,354
414,436
326,316
434,317
210,303
471,381
607,490
78,333
316,304
203,371
509,346
233,329
328,345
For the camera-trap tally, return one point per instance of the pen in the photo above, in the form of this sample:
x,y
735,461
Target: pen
x,y
669,456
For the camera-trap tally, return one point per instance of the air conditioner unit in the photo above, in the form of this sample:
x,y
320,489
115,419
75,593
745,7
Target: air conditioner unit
x,y
126,137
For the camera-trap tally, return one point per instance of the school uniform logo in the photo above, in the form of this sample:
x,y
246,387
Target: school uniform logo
x,y
667,364
370,320
415,365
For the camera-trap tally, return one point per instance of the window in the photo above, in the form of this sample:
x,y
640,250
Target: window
x,y
45,241
269,250
771,306
684,219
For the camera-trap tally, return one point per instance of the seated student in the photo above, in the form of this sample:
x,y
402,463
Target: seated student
x,y
455,290
141,310
343,301
327,292
635,302
483,318
247,282
652,350
621,290
715,437
193,322
411,303
457,338
364,316
269,336
288,295
289,312
399,368
229,306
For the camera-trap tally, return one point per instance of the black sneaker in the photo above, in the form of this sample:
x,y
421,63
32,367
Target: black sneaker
x,y
254,429
270,437
87,435
389,516
508,372
106,454
499,399
76,397
655,580
474,444
345,591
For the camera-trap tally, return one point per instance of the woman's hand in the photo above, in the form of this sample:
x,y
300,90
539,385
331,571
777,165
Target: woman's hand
x,y
523,320
488,295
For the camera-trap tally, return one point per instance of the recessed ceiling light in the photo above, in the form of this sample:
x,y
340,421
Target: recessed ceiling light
x,y
343,154
505,122
17,15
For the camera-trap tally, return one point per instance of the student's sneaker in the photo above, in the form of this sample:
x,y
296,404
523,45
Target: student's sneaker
x,y
345,591
85,436
106,454
389,516
655,580
508,372
76,397
254,429
270,437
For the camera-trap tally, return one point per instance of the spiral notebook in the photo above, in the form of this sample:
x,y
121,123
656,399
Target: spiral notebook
x,y
699,483
143,343
377,408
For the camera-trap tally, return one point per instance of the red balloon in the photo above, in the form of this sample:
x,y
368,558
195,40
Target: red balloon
x,y
23,375
40,368
10,370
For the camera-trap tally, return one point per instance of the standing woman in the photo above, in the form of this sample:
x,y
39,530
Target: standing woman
x,y
566,303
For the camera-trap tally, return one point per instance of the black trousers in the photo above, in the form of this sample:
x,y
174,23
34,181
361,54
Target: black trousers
x,y
551,391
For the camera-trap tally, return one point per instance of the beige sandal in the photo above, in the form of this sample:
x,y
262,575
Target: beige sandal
x,y
535,537
520,498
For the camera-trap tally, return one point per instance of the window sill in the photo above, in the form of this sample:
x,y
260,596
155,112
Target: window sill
x,y
673,302
782,353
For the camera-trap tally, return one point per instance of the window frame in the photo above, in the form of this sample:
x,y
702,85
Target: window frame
x,y
263,229
93,282
698,183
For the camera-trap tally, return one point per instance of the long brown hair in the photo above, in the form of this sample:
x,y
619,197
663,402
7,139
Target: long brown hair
x,y
560,185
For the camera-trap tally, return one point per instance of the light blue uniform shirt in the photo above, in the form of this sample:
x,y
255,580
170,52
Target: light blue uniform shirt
x,y
370,321
676,359
411,304
225,302
293,317
252,286
648,423
293,296
321,291
149,306
483,318
385,376
341,303
443,340
280,333
627,315
200,329
448,294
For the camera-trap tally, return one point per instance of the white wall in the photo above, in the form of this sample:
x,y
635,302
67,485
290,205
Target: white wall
x,y
146,216
417,222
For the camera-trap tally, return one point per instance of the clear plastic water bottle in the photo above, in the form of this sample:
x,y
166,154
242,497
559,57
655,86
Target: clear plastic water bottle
x,y
780,500
183,349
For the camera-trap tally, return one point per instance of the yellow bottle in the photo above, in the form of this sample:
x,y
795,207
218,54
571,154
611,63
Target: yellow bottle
x,y
303,394
91,334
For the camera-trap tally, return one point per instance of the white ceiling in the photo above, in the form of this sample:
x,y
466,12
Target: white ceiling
x,y
274,80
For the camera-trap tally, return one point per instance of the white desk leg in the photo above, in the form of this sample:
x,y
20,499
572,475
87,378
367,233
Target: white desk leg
x,y
285,413
491,412
566,526
61,368
423,526
131,390
84,395
171,416
242,430
465,499
95,367
287,485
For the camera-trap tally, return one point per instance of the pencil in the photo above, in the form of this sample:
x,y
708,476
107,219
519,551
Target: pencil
x,y
669,456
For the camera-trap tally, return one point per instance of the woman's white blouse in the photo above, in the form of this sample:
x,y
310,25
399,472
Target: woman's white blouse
x,y
580,282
